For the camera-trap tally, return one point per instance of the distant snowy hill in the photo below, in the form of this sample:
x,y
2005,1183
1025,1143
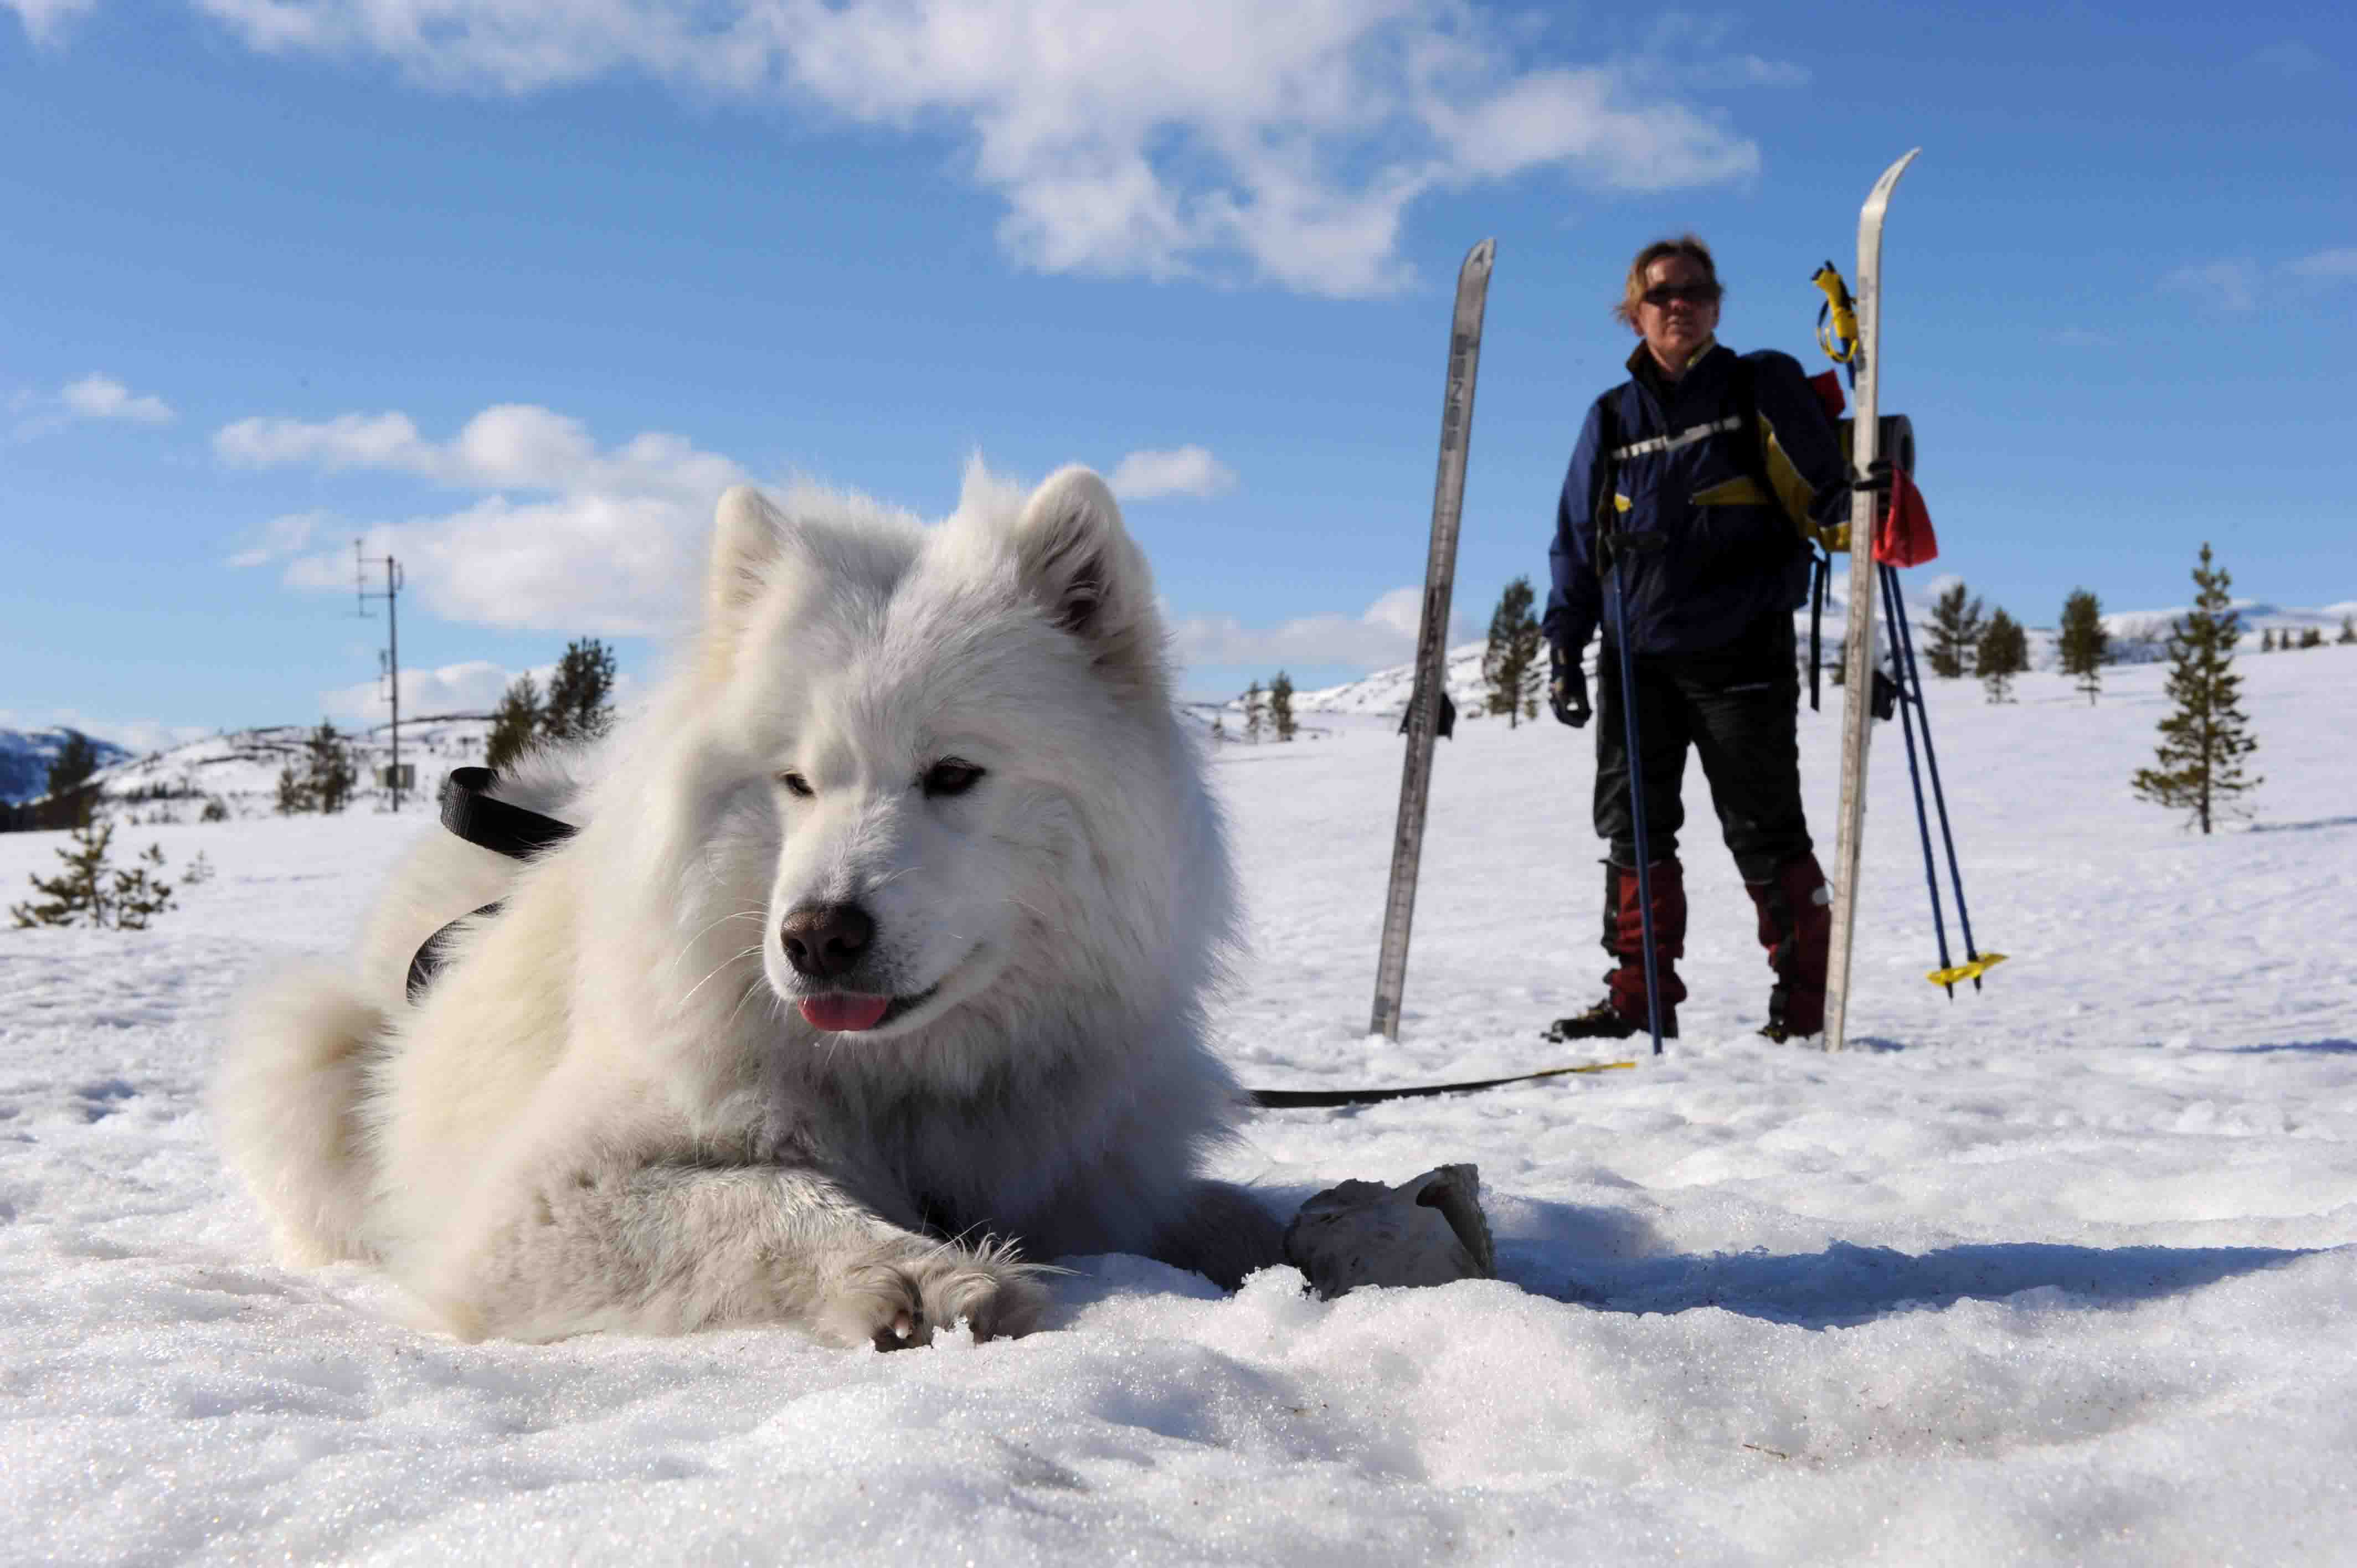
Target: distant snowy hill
x,y
25,756
2137,636
239,767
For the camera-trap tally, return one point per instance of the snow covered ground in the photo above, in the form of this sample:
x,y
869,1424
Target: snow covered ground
x,y
2061,1272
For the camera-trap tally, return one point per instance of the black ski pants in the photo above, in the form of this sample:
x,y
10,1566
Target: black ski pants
x,y
1738,706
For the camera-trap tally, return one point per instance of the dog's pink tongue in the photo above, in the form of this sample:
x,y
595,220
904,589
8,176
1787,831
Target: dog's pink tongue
x,y
844,1010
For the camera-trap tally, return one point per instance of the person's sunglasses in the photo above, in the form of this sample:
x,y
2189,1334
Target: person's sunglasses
x,y
1692,294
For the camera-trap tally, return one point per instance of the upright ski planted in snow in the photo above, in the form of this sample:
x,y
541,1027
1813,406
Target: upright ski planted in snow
x,y
1432,637
1857,653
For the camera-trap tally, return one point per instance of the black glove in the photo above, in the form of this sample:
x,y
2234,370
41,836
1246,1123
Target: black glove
x,y
1566,687
1877,481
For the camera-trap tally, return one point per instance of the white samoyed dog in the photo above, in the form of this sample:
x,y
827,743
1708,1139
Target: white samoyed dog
x,y
874,976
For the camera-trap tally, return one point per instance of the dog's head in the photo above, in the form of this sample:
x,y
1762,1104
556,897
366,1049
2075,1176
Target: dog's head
x,y
956,750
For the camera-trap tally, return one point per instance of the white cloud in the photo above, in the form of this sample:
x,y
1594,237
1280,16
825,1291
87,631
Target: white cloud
x,y
2291,59
2239,283
1382,635
2331,264
45,20
103,397
94,396
280,537
2231,285
1125,136
472,687
566,536
1188,471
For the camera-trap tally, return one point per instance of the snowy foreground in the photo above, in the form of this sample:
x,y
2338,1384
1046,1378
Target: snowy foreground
x,y
2057,1274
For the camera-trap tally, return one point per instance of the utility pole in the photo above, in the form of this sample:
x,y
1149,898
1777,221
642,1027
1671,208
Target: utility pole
x,y
387,661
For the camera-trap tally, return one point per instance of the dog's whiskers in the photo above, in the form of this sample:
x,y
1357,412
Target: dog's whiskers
x,y
736,957
689,946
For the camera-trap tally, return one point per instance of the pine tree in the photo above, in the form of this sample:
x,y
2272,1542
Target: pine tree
x,y
2268,640
2348,631
2002,652
1219,728
1280,705
2206,736
295,791
76,760
91,892
579,703
1955,631
2083,642
2312,637
1510,663
1252,713
514,723
329,775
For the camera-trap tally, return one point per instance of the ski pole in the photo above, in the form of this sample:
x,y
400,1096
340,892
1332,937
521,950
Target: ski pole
x,y
1911,697
1637,788
1938,796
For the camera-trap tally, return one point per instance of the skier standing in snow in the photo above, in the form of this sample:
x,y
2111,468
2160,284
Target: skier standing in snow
x,y
1709,463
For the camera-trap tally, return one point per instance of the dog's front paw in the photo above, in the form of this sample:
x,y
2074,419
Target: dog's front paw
x,y
898,1304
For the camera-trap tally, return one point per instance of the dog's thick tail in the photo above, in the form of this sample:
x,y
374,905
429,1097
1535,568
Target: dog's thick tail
x,y
285,1104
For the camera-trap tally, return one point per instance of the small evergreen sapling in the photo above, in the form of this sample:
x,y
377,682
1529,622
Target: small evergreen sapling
x,y
1956,628
2002,652
90,891
2205,737
1280,705
1252,712
294,791
580,693
2266,639
1510,661
2083,642
514,723
76,760
2348,631
329,773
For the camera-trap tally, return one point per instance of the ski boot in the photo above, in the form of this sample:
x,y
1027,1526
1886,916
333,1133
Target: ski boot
x,y
1622,1014
1796,928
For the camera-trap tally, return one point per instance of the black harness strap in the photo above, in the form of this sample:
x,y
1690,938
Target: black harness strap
x,y
1311,1098
499,826
516,831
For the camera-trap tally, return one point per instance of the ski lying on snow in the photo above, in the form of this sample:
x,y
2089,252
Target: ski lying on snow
x,y
1432,635
1857,653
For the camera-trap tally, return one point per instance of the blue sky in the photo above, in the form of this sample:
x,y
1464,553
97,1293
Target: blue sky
x,y
514,291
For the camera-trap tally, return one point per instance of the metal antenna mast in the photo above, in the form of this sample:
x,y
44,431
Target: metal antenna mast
x,y
387,661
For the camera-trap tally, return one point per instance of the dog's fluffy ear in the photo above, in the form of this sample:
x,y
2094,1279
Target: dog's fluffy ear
x,y
1083,568
748,533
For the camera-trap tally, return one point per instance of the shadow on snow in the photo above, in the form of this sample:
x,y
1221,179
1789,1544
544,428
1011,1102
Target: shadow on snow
x,y
1594,1258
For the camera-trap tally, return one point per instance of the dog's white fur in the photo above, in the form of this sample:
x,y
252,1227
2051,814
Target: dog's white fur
x,y
607,1112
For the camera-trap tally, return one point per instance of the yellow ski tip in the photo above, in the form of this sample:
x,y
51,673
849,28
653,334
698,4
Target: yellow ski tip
x,y
1972,971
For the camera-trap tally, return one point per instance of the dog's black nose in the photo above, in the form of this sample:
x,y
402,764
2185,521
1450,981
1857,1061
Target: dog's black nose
x,y
823,940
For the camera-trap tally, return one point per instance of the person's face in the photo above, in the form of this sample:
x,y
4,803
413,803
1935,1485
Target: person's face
x,y
1679,310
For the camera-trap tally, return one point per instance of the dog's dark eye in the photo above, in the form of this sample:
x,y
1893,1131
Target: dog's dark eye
x,y
796,785
951,777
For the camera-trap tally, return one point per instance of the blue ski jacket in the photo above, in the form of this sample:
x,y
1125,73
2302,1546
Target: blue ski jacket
x,y
1725,517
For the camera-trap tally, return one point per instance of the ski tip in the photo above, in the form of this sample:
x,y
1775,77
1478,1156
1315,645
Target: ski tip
x,y
1479,258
